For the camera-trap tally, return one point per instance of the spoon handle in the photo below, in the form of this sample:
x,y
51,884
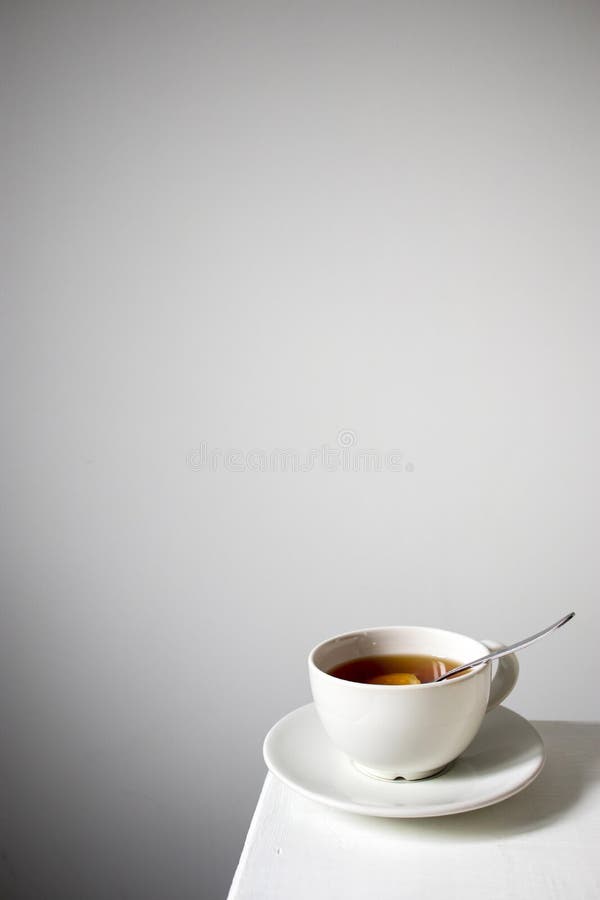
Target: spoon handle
x,y
498,653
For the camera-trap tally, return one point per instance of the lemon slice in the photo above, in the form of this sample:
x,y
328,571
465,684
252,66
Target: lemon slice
x,y
395,678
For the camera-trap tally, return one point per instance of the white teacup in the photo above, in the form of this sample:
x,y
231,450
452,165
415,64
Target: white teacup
x,y
406,731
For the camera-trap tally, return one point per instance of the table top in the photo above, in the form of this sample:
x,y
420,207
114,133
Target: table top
x,y
541,843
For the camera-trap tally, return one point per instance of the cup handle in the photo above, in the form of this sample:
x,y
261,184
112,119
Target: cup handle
x,y
505,678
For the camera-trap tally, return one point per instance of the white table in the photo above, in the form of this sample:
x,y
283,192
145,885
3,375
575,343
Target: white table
x,y
543,844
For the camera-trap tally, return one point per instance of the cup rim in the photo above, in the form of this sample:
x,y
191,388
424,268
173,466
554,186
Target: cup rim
x,y
458,679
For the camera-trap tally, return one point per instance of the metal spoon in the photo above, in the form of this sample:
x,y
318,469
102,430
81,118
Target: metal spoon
x,y
513,647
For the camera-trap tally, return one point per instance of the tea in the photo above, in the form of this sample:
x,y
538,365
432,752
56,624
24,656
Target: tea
x,y
403,668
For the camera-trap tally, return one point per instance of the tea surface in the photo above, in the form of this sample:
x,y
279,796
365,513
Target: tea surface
x,y
394,669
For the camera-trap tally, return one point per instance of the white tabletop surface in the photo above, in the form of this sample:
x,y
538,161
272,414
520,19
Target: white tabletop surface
x,y
542,843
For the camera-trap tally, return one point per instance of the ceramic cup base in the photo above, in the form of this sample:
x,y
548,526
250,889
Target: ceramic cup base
x,y
383,775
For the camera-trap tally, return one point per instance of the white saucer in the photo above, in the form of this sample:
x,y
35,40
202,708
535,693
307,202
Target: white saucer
x,y
505,757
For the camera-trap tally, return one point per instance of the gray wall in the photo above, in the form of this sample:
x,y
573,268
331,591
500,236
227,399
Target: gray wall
x,y
252,226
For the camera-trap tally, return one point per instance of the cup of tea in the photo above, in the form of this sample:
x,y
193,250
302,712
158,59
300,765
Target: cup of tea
x,y
376,696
